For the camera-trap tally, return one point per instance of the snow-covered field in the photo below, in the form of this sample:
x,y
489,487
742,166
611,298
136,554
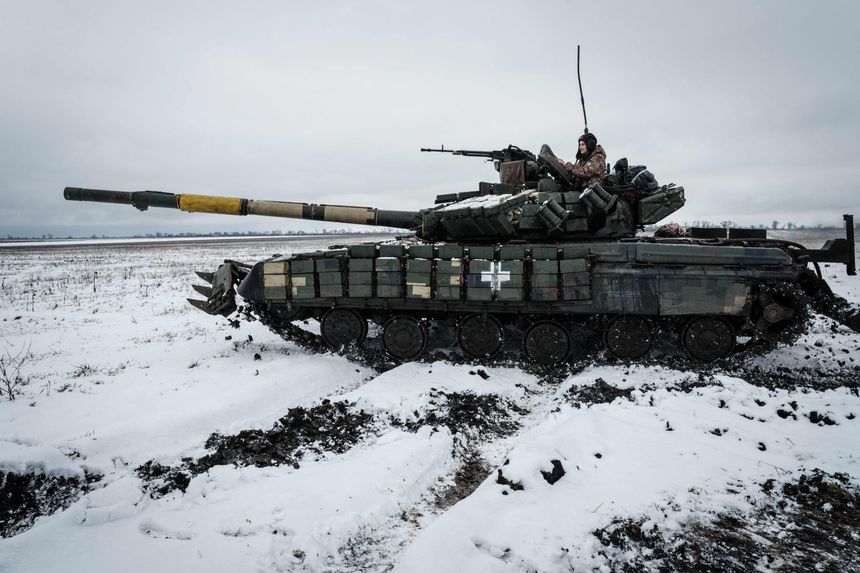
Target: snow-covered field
x,y
321,464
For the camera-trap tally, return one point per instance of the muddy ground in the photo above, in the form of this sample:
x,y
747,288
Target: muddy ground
x,y
808,524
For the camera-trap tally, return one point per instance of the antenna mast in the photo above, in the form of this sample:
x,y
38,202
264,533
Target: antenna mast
x,y
582,97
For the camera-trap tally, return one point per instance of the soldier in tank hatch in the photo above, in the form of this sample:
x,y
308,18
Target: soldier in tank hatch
x,y
590,166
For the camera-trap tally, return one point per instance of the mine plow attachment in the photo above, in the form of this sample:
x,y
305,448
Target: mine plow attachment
x,y
221,296
834,250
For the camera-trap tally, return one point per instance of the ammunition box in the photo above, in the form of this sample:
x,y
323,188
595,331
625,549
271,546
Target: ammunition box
x,y
274,281
389,291
510,294
360,265
276,267
360,291
453,267
512,252
392,250
445,280
275,293
418,278
541,267
362,251
421,251
419,265
330,278
327,265
544,294
387,264
479,294
307,280
360,278
450,251
575,251
448,293
303,291
302,266
482,252
573,265
331,290
544,252
543,281
388,278
418,291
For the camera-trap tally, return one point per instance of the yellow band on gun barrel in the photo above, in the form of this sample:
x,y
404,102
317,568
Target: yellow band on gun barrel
x,y
208,204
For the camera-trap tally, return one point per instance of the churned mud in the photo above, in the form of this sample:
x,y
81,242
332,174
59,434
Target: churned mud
x,y
809,524
489,416
330,427
599,392
26,497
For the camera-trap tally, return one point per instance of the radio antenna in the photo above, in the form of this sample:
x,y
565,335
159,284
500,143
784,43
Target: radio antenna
x,y
582,97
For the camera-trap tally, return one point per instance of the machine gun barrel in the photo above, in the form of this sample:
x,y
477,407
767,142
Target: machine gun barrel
x,y
237,206
467,153
510,153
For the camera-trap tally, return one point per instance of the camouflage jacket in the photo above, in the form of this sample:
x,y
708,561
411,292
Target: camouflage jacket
x,y
590,171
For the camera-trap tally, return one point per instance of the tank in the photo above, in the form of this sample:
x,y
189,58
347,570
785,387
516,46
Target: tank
x,y
533,261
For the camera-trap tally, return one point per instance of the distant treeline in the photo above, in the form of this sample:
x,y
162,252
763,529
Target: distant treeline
x,y
774,226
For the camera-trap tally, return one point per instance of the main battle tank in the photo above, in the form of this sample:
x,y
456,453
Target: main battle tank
x,y
529,257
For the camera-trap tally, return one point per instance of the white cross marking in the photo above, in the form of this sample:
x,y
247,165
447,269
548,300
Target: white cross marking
x,y
496,276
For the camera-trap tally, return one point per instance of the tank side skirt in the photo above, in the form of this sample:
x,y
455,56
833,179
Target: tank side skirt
x,y
626,290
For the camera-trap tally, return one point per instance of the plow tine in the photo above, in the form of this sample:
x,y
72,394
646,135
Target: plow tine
x,y
202,305
204,290
208,277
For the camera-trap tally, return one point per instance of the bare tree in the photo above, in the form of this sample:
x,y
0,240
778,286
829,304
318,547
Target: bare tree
x,y
11,377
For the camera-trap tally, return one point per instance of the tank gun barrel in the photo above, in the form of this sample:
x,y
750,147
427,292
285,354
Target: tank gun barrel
x,y
238,206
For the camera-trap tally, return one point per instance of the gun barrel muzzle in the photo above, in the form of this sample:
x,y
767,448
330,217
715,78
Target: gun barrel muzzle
x,y
139,199
98,195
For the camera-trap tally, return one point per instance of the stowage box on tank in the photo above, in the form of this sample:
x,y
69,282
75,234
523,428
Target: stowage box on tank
x,y
532,256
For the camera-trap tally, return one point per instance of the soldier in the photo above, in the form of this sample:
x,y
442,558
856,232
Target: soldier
x,y
590,166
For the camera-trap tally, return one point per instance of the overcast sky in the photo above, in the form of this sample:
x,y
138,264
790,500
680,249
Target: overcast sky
x,y
753,106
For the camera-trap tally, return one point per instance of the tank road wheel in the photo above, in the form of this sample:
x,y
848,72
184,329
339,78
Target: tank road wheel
x,y
708,338
628,337
404,337
547,343
481,336
341,327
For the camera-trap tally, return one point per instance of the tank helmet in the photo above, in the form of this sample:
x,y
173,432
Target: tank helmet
x,y
590,141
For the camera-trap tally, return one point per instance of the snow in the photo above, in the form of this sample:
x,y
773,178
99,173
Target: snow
x,y
122,371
